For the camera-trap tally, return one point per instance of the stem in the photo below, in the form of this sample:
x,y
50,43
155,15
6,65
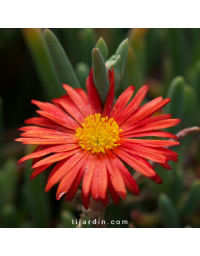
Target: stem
x,y
95,211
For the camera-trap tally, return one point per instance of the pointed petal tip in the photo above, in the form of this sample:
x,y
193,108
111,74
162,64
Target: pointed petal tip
x,y
18,139
58,196
65,86
34,102
20,161
47,188
122,194
137,193
132,87
31,177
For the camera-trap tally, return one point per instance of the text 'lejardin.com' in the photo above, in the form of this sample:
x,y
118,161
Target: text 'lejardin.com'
x,y
81,222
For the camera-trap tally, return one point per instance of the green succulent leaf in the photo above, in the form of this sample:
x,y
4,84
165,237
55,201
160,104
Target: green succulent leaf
x,y
43,64
101,45
122,50
100,74
115,63
62,65
175,106
132,72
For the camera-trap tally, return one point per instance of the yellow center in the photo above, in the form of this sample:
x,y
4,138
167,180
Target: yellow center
x,y
98,133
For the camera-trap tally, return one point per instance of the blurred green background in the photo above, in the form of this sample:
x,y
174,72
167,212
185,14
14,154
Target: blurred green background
x,y
168,60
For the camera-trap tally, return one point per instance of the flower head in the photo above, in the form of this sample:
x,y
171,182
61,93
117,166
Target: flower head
x,y
90,142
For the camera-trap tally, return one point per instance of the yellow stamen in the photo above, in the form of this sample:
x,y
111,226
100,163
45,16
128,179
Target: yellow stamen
x,y
98,133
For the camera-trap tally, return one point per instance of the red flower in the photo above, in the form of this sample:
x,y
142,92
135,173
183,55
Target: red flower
x,y
91,142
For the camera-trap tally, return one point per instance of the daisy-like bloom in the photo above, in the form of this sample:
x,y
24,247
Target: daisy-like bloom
x,y
91,142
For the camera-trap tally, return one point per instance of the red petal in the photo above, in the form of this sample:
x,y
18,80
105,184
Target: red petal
x,y
159,150
69,178
134,104
56,114
146,111
135,164
166,166
94,183
102,177
110,97
115,177
68,105
130,183
150,133
105,201
151,120
63,120
83,95
154,126
94,99
151,143
41,121
77,99
55,158
35,141
73,189
36,159
45,134
86,183
114,195
38,170
130,149
155,178
48,150
63,168
121,102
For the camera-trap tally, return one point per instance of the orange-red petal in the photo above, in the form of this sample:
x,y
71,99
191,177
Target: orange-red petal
x,y
110,97
94,99
121,102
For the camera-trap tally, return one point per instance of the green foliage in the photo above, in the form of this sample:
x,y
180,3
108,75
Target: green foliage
x,y
62,65
132,72
43,63
8,182
175,107
101,45
100,74
118,61
36,200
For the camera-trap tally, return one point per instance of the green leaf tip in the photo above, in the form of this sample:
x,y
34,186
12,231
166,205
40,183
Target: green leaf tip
x,y
101,45
122,50
62,65
118,61
115,62
100,74
175,107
